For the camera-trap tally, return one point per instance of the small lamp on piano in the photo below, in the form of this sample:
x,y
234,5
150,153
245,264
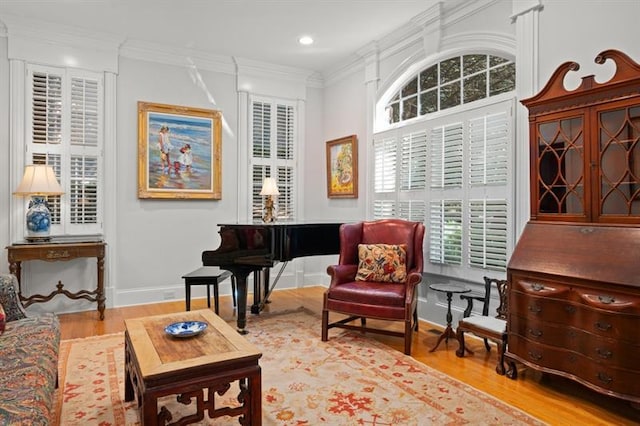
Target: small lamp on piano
x,y
39,181
269,188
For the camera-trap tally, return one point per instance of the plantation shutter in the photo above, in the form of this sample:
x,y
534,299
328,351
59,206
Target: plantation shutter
x,y
84,159
413,176
384,178
445,232
66,133
46,132
273,154
488,234
446,156
488,139
413,167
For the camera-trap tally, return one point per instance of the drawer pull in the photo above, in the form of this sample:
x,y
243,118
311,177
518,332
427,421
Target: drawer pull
x,y
535,333
569,309
603,326
535,356
537,287
607,300
603,353
604,378
535,309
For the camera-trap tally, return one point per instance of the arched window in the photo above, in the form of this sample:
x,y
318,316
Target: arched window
x,y
451,82
450,168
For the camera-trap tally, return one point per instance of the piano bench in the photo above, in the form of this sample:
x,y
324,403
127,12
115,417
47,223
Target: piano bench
x,y
209,276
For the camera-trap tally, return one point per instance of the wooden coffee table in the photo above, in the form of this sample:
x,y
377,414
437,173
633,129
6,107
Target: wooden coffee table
x,y
193,368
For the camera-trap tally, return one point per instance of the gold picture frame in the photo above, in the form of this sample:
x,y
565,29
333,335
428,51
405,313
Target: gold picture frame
x,y
342,167
179,152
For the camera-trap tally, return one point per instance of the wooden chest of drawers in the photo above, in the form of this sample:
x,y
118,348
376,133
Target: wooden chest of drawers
x,y
577,319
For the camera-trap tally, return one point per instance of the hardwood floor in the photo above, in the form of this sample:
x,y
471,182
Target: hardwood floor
x,y
552,399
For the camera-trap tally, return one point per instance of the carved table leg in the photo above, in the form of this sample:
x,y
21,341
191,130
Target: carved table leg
x,y
100,297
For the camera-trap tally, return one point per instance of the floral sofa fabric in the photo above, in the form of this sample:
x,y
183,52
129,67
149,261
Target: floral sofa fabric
x,y
28,361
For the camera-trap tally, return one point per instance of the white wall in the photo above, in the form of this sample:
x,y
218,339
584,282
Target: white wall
x,y
575,30
160,240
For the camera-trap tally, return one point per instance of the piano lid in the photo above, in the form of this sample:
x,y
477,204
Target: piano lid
x,y
261,244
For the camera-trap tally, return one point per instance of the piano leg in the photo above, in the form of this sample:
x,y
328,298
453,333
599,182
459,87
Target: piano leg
x,y
241,289
257,291
260,290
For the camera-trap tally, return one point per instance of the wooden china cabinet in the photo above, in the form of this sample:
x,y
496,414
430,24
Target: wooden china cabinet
x,y
574,276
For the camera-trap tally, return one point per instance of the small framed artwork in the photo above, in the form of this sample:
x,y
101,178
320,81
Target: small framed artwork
x,y
342,167
179,150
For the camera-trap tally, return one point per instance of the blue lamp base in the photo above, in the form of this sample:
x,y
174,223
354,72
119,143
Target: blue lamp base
x,y
38,219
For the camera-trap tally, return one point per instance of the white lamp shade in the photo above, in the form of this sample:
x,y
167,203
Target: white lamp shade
x,y
269,187
39,179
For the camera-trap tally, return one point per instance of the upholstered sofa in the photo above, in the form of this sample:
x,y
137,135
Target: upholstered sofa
x,y
28,361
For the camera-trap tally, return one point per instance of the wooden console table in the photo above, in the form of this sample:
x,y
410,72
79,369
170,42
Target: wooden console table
x,y
59,251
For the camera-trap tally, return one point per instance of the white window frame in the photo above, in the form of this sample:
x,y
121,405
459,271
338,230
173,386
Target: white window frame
x,y
387,203
284,170
65,150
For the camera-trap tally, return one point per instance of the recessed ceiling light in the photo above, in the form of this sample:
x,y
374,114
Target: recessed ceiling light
x,y
305,40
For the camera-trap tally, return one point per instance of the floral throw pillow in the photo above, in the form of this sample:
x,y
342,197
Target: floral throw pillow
x,y
382,263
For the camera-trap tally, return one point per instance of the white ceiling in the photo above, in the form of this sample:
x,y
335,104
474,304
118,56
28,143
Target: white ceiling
x,y
264,30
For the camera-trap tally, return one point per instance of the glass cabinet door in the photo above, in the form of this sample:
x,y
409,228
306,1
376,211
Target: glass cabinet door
x,y
560,167
619,160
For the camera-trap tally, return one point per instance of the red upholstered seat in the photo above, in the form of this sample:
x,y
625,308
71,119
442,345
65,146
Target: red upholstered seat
x,y
379,300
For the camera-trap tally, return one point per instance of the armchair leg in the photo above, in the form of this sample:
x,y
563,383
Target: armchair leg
x,y
325,326
487,345
415,319
408,335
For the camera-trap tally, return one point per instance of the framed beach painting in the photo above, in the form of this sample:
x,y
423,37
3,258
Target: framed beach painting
x,y
179,151
342,167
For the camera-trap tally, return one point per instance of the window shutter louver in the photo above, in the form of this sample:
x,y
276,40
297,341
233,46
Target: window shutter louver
x,y
258,173
446,156
285,201
285,131
261,123
84,112
413,167
46,108
445,237
385,165
414,210
384,209
488,234
83,191
54,201
488,139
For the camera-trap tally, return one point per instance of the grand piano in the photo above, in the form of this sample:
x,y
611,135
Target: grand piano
x,y
248,248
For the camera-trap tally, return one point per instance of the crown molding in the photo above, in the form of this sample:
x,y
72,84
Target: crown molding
x,y
45,32
406,36
171,55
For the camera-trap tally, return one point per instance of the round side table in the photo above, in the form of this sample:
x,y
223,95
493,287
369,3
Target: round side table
x,y
450,289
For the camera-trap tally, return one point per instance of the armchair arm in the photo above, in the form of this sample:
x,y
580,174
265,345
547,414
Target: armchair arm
x,y
470,298
413,279
341,274
9,298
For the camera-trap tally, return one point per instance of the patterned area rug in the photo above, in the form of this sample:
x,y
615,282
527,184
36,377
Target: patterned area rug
x,y
350,380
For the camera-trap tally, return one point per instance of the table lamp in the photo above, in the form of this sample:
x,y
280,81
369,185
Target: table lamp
x,y
269,188
39,181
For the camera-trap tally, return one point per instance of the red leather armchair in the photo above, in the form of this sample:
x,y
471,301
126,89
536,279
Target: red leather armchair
x,y
376,300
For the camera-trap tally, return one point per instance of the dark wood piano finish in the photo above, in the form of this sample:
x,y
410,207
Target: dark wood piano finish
x,y
246,248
